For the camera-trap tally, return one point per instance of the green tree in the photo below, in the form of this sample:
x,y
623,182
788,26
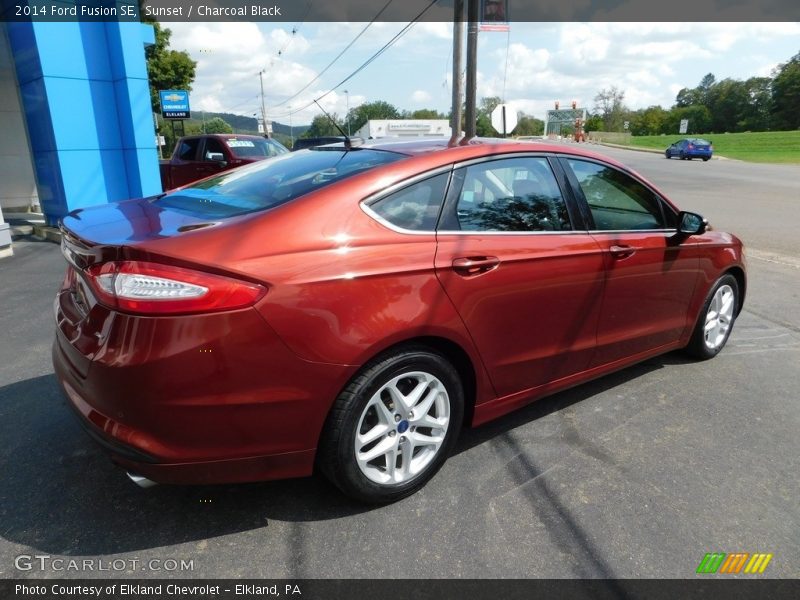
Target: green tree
x,y
483,125
528,125
688,97
167,69
755,115
609,104
423,113
218,125
704,88
649,121
786,94
379,109
321,126
593,123
726,102
698,116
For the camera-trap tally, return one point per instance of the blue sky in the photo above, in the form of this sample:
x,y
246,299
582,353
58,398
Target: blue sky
x,y
545,62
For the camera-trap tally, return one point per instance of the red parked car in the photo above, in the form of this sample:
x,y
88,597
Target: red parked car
x,y
199,156
354,308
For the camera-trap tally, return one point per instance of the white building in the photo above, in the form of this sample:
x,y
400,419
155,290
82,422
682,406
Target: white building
x,y
380,128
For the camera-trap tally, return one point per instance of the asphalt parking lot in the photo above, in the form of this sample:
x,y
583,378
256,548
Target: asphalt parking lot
x,y
637,474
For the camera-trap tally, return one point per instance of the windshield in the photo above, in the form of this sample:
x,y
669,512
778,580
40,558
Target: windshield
x,y
270,183
244,148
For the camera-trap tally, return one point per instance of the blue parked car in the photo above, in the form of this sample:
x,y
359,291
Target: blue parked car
x,y
690,148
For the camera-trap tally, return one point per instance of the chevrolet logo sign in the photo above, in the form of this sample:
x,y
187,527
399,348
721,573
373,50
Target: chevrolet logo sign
x,y
173,97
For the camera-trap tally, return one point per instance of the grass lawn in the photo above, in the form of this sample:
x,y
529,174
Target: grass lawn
x,y
763,147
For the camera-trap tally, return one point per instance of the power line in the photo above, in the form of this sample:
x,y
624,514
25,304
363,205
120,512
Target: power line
x,y
338,56
366,63
295,29
249,99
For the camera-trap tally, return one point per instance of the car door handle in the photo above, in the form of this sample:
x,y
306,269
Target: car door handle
x,y
622,251
474,265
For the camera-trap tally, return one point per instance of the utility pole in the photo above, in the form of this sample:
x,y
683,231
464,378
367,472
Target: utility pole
x,y
470,115
263,109
458,42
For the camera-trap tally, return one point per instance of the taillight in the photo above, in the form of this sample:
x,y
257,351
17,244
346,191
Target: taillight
x,y
711,148
152,288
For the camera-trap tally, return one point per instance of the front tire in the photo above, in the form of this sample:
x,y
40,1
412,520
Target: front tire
x,y
716,320
667,155
682,155
393,426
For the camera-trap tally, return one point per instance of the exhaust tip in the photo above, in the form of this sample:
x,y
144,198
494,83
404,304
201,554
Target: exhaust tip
x,y
142,482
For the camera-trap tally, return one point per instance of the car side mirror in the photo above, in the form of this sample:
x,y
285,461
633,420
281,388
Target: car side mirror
x,y
216,157
690,223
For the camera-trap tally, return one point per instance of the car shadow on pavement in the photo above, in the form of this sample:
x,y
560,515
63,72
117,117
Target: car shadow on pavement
x,y
541,408
62,495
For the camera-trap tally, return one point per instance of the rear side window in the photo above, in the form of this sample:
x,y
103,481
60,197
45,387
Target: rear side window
x,y
617,201
188,149
415,207
513,195
269,183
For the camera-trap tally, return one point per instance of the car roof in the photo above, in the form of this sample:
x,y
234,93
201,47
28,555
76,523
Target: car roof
x,y
227,136
477,147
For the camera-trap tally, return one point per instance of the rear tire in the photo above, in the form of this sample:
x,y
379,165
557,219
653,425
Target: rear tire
x,y
667,155
393,426
715,323
705,158
682,155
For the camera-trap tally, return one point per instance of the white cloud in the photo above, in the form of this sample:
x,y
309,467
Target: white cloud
x,y
420,97
546,62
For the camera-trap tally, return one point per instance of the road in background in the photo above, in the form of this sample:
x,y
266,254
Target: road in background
x,y
637,474
759,202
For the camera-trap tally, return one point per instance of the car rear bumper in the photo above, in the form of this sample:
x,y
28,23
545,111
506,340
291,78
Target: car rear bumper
x,y
224,401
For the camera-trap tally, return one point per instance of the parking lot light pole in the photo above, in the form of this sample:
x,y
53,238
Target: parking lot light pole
x,y
347,104
291,127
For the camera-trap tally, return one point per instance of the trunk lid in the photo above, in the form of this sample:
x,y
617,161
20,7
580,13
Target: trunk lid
x,y
128,222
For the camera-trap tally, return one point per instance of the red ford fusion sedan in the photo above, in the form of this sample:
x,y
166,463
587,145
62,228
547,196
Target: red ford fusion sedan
x,y
352,308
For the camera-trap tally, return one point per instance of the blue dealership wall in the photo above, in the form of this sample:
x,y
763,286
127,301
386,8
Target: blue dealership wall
x,y
86,102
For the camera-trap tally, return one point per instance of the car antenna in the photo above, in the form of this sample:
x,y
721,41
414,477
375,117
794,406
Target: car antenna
x,y
347,144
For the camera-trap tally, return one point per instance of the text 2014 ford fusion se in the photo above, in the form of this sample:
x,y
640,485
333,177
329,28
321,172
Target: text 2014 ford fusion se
x,y
352,308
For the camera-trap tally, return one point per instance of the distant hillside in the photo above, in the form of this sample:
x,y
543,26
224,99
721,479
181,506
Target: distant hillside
x,y
242,124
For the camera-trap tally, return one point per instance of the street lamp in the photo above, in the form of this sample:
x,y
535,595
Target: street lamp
x,y
347,102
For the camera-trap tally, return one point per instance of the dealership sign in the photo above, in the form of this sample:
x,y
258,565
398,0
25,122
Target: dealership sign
x,y
174,104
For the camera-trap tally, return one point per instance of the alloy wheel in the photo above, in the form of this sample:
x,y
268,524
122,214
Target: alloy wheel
x,y
719,317
402,428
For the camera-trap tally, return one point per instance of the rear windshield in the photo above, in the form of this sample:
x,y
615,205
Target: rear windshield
x,y
244,148
270,183
701,142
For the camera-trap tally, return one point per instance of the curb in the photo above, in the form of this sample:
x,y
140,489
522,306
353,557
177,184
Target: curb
x,y
32,224
634,148
47,233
